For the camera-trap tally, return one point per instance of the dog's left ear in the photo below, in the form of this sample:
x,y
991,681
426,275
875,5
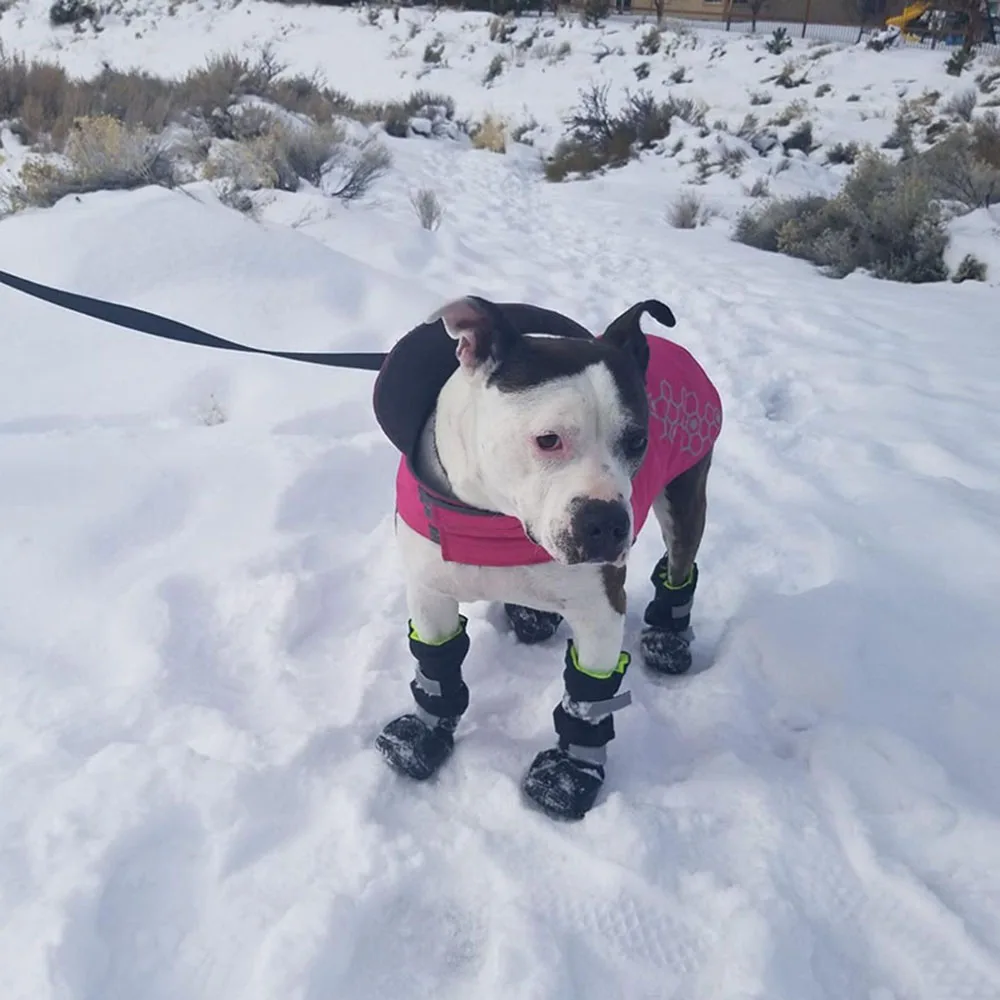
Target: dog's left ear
x,y
483,332
626,333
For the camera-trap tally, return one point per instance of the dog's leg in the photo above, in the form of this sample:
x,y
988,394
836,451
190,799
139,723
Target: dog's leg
x,y
530,625
418,743
680,511
566,779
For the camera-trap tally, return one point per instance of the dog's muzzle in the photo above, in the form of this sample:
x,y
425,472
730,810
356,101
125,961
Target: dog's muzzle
x,y
599,531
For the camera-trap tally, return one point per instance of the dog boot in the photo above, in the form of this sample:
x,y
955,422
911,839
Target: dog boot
x,y
418,743
564,781
531,626
666,640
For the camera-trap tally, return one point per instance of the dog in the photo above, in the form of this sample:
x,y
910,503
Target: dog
x,y
531,454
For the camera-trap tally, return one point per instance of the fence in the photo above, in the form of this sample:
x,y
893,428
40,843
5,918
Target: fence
x,y
843,34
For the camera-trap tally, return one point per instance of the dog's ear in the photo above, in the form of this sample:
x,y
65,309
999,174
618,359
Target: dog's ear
x,y
626,333
483,332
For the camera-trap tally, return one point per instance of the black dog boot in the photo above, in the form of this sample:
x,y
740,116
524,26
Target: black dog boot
x,y
418,743
666,640
564,781
531,626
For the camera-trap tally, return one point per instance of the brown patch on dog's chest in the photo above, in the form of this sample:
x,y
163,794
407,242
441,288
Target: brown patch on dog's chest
x,y
613,578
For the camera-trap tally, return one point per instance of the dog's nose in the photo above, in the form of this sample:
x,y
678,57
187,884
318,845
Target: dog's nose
x,y
601,529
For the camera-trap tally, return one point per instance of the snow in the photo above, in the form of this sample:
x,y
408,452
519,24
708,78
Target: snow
x,y
202,619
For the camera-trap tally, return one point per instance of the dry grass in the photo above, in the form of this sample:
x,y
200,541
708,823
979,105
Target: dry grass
x,y
491,134
687,211
44,101
101,154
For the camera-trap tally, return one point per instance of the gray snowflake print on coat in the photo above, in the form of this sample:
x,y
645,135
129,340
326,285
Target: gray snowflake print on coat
x,y
687,423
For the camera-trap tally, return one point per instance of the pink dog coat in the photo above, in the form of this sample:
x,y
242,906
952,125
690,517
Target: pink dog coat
x,y
685,419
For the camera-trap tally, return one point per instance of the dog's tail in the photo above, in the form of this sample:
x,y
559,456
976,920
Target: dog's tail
x,y
628,321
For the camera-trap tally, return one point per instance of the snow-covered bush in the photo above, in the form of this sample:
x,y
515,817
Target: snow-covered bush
x,y
885,220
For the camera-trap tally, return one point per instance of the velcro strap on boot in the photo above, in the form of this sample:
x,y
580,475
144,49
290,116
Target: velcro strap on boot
x,y
437,686
585,716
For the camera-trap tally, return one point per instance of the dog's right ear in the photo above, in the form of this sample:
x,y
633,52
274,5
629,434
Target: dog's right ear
x,y
484,334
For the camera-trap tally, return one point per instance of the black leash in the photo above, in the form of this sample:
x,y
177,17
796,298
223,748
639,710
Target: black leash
x,y
170,329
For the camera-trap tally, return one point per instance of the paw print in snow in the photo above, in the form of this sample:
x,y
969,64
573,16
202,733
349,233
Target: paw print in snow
x,y
686,422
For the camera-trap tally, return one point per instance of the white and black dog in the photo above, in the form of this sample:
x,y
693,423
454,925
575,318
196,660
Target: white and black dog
x,y
532,453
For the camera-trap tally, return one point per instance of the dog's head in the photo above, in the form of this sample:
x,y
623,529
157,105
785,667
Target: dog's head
x,y
550,429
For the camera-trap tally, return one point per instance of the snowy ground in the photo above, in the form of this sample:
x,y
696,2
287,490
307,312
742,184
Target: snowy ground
x,y
202,619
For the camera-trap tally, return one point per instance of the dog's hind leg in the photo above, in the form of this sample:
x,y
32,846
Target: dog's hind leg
x,y
530,625
418,743
565,780
680,511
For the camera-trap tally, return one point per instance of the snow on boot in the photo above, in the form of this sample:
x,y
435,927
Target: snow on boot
x,y
531,626
564,781
418,743
665,642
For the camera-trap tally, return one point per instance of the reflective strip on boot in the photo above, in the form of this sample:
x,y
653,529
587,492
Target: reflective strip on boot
x,y
595,756
594,711
425,683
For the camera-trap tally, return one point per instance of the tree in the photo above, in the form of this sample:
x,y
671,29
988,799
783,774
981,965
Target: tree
x,y
756,6
660,7
865,11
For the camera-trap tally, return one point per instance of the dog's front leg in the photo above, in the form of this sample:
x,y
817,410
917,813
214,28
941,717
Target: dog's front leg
x,y
418,743
565,780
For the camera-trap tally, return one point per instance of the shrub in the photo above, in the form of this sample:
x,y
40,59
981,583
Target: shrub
x,y
306,149
970,268
686,109
491,134
758,97
687,211
678,75
434,52
884,220
102,154
731,160
778,42
958,61
428,208
354,169
502,29
962,105
641,70
599,137
748,127
594,12
494,69
71,12
964,168
791,113
842,152
787,78
801,139
760,188
650,42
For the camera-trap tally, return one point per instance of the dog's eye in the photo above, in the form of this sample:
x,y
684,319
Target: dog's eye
x,y
548,442
635,442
